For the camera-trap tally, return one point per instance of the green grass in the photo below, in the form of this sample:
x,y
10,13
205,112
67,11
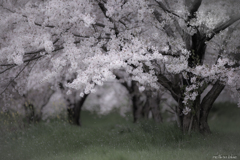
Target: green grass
x,y
115,138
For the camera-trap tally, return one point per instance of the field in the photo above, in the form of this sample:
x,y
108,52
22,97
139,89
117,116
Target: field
x,y
115,138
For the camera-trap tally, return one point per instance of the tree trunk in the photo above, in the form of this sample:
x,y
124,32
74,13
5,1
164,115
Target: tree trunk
x,y
197,119
139,108
137,102
74,111
186,123
206,106
29,112
193,117
190,122
152,103
136,111
156,112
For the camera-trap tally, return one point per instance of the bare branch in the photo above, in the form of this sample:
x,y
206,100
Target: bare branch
x,y
99,24
76,35
104,10
28,60
31,59
165,9
14,78
8,69
36,52
7,9
175,91
40,50
223,26
38,24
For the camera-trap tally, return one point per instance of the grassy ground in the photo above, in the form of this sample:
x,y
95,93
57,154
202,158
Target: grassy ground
x,y
115,138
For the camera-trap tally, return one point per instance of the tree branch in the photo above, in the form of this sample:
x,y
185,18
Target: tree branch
x,y
14,78
104,10
38,24
212,95
7,69
165,9
7,9
175,91
223,26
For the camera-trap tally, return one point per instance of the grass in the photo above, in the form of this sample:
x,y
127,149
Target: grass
x,y
115,138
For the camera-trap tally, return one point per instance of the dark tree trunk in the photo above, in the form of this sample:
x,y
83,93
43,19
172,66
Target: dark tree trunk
x,y
201,110
197,120
191,120
135,111
186,122
135,100
145,109
156,113
137,103
74,111
74,108
29,112
198,50
206,106
152,103
139,108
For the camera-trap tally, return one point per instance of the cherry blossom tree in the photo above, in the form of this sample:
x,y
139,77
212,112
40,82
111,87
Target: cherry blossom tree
x,y
156,42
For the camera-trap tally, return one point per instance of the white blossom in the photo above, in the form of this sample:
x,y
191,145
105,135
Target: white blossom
x,y
186,110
